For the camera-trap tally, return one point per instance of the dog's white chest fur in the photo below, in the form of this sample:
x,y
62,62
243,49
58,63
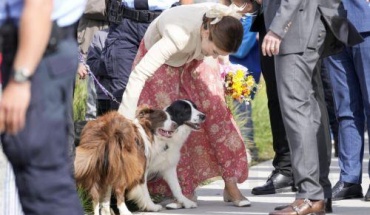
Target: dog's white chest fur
x,y
166,151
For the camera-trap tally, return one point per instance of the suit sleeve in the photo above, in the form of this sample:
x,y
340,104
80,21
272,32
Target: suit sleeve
x,y
284,16
156,56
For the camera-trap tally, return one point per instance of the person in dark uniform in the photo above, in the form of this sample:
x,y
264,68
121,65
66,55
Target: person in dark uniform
x,y
38,69
129,20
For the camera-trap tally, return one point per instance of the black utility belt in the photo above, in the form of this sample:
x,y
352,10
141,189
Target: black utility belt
x,y
58,34
144,16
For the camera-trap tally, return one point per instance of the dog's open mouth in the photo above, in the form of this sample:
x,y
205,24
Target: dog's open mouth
x,y
195,126
165,133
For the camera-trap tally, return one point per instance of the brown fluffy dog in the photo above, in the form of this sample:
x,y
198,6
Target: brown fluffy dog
x,y
112,156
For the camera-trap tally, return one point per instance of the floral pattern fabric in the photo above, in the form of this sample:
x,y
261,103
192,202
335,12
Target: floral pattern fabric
x,y
218,148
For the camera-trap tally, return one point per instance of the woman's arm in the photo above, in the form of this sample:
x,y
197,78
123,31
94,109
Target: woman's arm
x,y
156,56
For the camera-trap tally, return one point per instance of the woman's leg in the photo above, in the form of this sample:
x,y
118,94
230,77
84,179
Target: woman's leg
x,y
219,149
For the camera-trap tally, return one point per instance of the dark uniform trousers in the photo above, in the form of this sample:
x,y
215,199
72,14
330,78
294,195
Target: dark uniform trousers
x,y
39,153
118,56
126,31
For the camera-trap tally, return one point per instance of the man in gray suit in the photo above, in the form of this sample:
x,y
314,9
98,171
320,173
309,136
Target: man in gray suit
x,y
296,32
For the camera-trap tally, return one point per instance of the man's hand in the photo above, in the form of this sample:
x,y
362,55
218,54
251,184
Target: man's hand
x,y
82,71
271,44
13,107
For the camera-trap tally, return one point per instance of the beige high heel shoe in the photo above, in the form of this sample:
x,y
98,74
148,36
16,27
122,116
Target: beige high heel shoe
x,y
238,203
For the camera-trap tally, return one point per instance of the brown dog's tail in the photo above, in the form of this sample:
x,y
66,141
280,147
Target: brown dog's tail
x,y
103,154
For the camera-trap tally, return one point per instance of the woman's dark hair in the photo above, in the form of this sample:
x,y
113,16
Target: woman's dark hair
x,y
227,34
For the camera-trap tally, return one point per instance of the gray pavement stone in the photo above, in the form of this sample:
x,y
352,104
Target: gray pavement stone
x,y
210,199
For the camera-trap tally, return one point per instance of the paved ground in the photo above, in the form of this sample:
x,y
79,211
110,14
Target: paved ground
x,y
210,196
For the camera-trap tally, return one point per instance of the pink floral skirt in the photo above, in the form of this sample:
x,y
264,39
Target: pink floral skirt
x,y
218,148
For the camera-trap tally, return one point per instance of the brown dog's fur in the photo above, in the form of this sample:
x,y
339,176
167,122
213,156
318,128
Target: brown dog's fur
x,y
112,153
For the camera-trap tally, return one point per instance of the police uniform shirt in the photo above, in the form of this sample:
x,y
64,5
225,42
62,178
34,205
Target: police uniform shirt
x,y
152,5
65,12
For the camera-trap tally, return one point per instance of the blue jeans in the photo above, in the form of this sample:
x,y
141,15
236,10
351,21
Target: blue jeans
x,y
350,77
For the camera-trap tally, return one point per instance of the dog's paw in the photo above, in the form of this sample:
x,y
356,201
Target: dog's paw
x,y
154,208
186,203
174,206
189,204
105,211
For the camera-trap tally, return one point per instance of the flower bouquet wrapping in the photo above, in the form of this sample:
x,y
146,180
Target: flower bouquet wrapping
x,y
239,83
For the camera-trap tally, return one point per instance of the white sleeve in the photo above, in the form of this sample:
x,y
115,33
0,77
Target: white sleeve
x,y
156,56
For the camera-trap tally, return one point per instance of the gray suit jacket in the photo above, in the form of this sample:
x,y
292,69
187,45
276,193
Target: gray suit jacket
x,y
296,22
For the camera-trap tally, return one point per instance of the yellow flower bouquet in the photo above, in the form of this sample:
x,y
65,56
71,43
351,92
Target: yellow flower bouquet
x,y
239,83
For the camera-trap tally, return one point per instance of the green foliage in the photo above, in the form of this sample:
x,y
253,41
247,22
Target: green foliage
x,y
85,200
79,109
240,117
261,123
79,99
262,128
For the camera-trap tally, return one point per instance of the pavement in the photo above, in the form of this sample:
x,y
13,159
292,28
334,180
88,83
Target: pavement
x,y
210,200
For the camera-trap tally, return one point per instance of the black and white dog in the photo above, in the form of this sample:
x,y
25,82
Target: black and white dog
x,y
165,153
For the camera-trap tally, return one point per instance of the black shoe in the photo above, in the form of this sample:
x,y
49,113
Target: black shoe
x,y
343,190
367,196
276,183
328,206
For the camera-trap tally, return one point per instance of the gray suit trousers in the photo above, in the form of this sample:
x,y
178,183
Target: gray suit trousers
x,y
295,74
323,134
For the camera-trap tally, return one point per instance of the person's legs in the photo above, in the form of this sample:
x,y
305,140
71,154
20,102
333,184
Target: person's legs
x,y
243,116
350,113
329,100
91,102
361,59
323,137
222,143
40,157
324,144
251,144
281,179
301,117
118,55
281,161
347,97
102,106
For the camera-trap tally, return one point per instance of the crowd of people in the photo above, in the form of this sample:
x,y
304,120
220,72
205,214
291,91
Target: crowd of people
x,y
317,83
